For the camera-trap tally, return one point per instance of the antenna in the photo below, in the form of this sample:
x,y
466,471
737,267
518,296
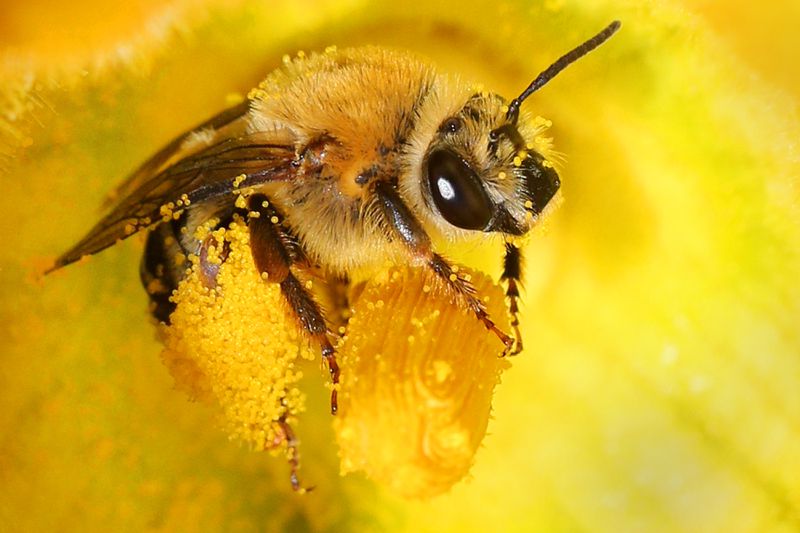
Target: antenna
x,y
550,72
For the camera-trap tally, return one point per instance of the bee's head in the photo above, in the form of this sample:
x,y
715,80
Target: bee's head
x,y
485,172
486,168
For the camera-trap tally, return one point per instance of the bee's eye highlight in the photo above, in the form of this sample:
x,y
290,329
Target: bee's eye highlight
x,y
457,191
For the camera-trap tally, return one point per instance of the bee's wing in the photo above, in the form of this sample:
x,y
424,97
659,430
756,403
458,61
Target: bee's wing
x,y
205,175
174,150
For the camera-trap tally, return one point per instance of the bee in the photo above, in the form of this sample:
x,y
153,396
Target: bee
x,y
339,162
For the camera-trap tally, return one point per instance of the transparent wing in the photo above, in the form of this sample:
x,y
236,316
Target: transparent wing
x,y
205,175
174,150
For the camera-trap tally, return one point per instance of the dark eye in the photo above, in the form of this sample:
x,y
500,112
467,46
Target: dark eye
x,y
457,191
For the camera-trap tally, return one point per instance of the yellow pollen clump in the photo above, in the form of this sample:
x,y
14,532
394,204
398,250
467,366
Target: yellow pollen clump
x,y
178,259
236,345
528,204
517,161
166,210
414,418
238,180
501,175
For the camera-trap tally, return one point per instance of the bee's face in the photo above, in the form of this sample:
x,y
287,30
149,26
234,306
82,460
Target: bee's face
x,y
481,171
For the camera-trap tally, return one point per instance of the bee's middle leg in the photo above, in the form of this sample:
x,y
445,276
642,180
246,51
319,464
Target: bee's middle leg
x,y
269,244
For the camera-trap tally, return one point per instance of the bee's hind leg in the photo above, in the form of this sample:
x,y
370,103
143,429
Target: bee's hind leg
x,y
286,435
161,268
274,251
165,263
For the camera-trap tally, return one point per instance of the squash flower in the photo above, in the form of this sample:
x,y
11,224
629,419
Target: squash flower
x,y
658,386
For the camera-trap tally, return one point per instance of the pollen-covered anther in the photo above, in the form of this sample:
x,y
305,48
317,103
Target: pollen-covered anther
x,y
414,417
235,345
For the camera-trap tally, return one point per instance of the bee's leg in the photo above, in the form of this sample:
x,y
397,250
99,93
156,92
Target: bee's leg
x,y
408,229
162,263
512,273
270,244
287,436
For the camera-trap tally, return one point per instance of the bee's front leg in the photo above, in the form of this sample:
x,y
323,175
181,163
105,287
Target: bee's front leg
x,y
408,229
269,244
512,275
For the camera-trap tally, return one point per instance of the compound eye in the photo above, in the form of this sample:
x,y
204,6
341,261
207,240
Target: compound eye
x,y
457,191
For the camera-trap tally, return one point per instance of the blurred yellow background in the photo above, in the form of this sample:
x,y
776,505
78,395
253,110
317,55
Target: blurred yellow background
x,y
659,386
